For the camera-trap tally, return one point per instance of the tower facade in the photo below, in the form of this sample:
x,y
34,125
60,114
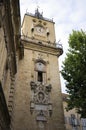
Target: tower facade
x,y
38,101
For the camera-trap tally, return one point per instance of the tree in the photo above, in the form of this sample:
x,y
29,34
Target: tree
x,y
74,72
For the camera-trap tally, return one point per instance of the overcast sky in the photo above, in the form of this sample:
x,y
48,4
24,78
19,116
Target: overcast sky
x,y
68,15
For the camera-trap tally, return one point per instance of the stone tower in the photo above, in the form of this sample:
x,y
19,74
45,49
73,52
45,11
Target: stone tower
x,y
38,102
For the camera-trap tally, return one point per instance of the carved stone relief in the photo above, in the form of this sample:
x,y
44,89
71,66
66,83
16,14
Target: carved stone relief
x,y
40,102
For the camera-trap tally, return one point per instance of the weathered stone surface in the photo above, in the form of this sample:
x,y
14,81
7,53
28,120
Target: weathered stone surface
x,y
24,120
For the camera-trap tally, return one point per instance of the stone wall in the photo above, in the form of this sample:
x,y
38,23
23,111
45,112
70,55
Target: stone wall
x,y
9,39
23,118
4,115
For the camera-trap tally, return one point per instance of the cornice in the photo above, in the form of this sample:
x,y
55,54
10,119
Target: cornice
x,y
42,48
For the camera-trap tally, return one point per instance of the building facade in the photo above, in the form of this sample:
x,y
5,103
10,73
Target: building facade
x,y
30,93
38,101
9,49
72,118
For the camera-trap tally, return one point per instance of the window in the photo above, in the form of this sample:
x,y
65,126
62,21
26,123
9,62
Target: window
x,y
40,71
40,76
83,122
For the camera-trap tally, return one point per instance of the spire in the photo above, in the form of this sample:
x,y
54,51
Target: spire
x,y
38,14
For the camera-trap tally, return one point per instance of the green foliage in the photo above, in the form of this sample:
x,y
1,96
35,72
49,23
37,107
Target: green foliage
x,y
74,72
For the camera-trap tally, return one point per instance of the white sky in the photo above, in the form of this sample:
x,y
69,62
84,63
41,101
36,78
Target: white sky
x,y
68,15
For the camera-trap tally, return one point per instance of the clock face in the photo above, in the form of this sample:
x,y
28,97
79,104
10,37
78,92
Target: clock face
x,y
40,29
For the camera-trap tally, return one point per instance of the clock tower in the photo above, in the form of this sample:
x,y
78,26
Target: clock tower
x,y
38,92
